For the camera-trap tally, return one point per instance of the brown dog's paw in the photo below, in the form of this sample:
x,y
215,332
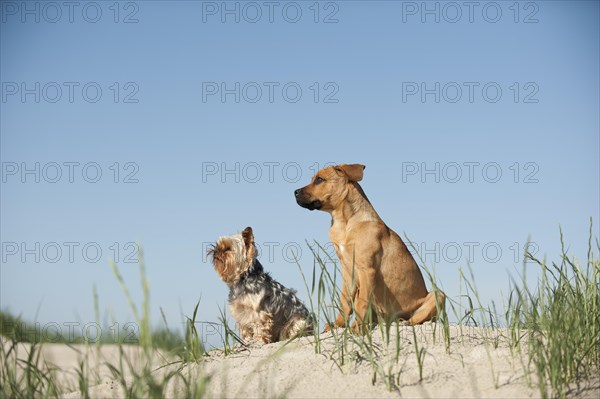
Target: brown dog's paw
x,y
363,327
359,328
338,323
330,326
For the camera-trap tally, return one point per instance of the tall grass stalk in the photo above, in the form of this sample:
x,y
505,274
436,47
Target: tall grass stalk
x,y
561,317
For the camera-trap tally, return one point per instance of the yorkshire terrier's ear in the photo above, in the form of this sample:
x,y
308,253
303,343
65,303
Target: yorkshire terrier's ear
x,y
248,236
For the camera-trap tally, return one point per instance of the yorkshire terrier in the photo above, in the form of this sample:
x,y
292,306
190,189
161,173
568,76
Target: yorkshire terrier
x,y
264,310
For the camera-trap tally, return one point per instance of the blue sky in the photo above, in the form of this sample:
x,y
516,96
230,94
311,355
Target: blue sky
x,y
515,93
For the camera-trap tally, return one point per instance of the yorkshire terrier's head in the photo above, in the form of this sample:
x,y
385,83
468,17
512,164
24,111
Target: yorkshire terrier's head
x,y
234,255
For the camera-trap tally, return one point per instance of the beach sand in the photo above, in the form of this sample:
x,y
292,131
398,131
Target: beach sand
x,y
479,363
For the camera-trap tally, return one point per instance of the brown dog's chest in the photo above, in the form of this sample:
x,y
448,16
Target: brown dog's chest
x,y
342,251
342,238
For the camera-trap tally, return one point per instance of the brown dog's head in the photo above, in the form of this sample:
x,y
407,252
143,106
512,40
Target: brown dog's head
x,y
233,255
329,187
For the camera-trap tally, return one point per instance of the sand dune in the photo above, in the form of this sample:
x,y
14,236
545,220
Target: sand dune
x,y
478,363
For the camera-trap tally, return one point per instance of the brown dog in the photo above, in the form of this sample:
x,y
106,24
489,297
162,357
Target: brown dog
x,y
378,271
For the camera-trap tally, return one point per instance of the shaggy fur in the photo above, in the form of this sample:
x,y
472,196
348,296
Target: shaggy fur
x,y
264,310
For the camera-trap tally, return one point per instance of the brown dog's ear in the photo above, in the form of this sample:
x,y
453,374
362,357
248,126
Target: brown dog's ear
x,y
248,236
354,171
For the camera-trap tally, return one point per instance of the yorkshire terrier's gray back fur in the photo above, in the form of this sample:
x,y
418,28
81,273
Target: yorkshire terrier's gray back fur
x,y
281,302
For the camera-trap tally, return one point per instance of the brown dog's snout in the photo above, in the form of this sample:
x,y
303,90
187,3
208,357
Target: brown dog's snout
x,y
305,201
299,195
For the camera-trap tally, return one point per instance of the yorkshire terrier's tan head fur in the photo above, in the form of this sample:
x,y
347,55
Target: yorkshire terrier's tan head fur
x,y
233,255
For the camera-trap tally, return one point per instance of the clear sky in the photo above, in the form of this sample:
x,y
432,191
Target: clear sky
x,y
170,123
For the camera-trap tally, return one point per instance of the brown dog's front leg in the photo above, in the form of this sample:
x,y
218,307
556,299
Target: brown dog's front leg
x,y
365,313
346,310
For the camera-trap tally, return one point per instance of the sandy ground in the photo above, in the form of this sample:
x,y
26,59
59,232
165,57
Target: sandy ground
x,y
479,363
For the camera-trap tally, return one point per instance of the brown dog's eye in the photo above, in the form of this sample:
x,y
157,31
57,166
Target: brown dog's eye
x,y
319,180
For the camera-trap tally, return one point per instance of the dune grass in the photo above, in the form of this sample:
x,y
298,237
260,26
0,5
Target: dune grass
x,y
552,327
560,318
155,370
